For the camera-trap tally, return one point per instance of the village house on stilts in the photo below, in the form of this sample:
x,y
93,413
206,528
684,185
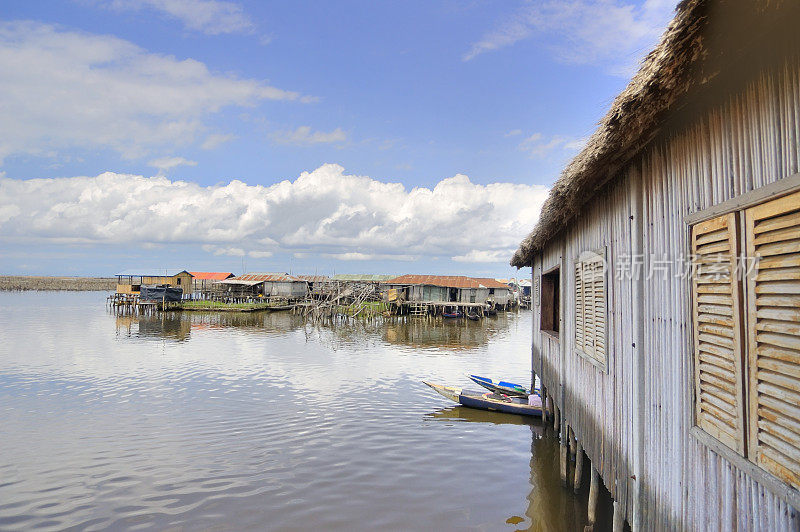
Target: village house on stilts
x,y
666,281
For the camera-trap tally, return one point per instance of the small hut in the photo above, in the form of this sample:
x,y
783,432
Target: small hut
x,y
129,282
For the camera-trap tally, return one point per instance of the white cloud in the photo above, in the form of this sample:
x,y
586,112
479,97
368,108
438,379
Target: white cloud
x,y
482,255
304,136
260,254
357,256
324,212
614,34
64,90
514,133
220,250
216,139
168,163
539,146
211,17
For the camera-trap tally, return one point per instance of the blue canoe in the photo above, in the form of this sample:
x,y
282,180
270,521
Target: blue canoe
x,y
490,401
502,387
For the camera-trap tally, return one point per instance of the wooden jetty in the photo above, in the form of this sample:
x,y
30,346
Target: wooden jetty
x,y
666,282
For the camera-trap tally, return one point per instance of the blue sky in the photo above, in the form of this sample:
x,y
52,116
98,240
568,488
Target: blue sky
x,y
397,137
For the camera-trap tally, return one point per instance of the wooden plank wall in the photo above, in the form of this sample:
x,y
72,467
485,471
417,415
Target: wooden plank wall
x,y
749,140
597,404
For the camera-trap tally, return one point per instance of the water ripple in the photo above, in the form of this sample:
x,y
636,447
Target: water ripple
x,y
257,421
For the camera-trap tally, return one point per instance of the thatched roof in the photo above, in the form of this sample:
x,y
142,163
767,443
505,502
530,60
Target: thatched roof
x,y
632,122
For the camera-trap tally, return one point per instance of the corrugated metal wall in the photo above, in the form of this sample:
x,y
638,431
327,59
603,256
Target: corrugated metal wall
x,y
750,140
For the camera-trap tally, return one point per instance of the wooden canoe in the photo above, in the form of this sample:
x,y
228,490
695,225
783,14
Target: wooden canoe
x,y
502,387
490,401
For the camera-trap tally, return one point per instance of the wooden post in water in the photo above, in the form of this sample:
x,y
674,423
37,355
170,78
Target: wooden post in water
x,y
594,492
578,468
619,517
564,461
573,443
556,416
544,403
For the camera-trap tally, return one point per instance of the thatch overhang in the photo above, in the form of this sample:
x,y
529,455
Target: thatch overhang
x,y
635,117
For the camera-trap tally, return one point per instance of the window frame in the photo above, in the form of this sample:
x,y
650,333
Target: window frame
x,y
555,271
739,204
585,256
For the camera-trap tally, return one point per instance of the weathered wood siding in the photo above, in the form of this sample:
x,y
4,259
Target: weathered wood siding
x,y
741,143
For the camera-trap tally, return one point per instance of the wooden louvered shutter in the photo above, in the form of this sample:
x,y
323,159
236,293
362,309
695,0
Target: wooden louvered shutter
x,y
718,377
590,306
579,306
773,311
599,307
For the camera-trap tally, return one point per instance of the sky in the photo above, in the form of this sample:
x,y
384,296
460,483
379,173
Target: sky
x,y
310,137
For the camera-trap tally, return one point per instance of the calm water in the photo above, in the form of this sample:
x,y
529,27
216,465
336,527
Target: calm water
x,y
223,421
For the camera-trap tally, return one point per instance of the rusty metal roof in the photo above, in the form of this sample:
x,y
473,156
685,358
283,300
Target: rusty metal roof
x,y
269,277
448,281
314,278
491,283
362,278
236,281
211,276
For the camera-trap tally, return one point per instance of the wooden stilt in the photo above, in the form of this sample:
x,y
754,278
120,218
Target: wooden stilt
x,y
545,402
594,492
619,517
573,443
578,468
564,462
556,417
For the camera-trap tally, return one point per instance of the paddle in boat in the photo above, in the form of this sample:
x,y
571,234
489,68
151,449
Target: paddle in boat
x,y
490,401
502,387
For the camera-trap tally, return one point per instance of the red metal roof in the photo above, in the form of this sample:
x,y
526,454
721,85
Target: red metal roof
x,y
269,277
212,276
449,281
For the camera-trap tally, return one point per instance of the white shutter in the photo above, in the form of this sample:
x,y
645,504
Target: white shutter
x,y
719,404
773,308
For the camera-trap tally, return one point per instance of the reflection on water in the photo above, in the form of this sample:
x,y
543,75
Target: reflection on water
x,y
441,333
258,421
472,415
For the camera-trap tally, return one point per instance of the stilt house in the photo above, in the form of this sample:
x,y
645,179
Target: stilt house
x,y
447,289
276,285
204,283
131,281
666,279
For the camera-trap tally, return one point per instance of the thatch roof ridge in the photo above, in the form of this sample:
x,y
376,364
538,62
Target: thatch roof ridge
x,y
631,122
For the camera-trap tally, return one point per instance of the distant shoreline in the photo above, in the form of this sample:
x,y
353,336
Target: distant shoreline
x,y
12,283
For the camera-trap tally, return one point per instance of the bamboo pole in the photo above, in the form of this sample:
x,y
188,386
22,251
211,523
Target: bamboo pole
x,y
564,461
